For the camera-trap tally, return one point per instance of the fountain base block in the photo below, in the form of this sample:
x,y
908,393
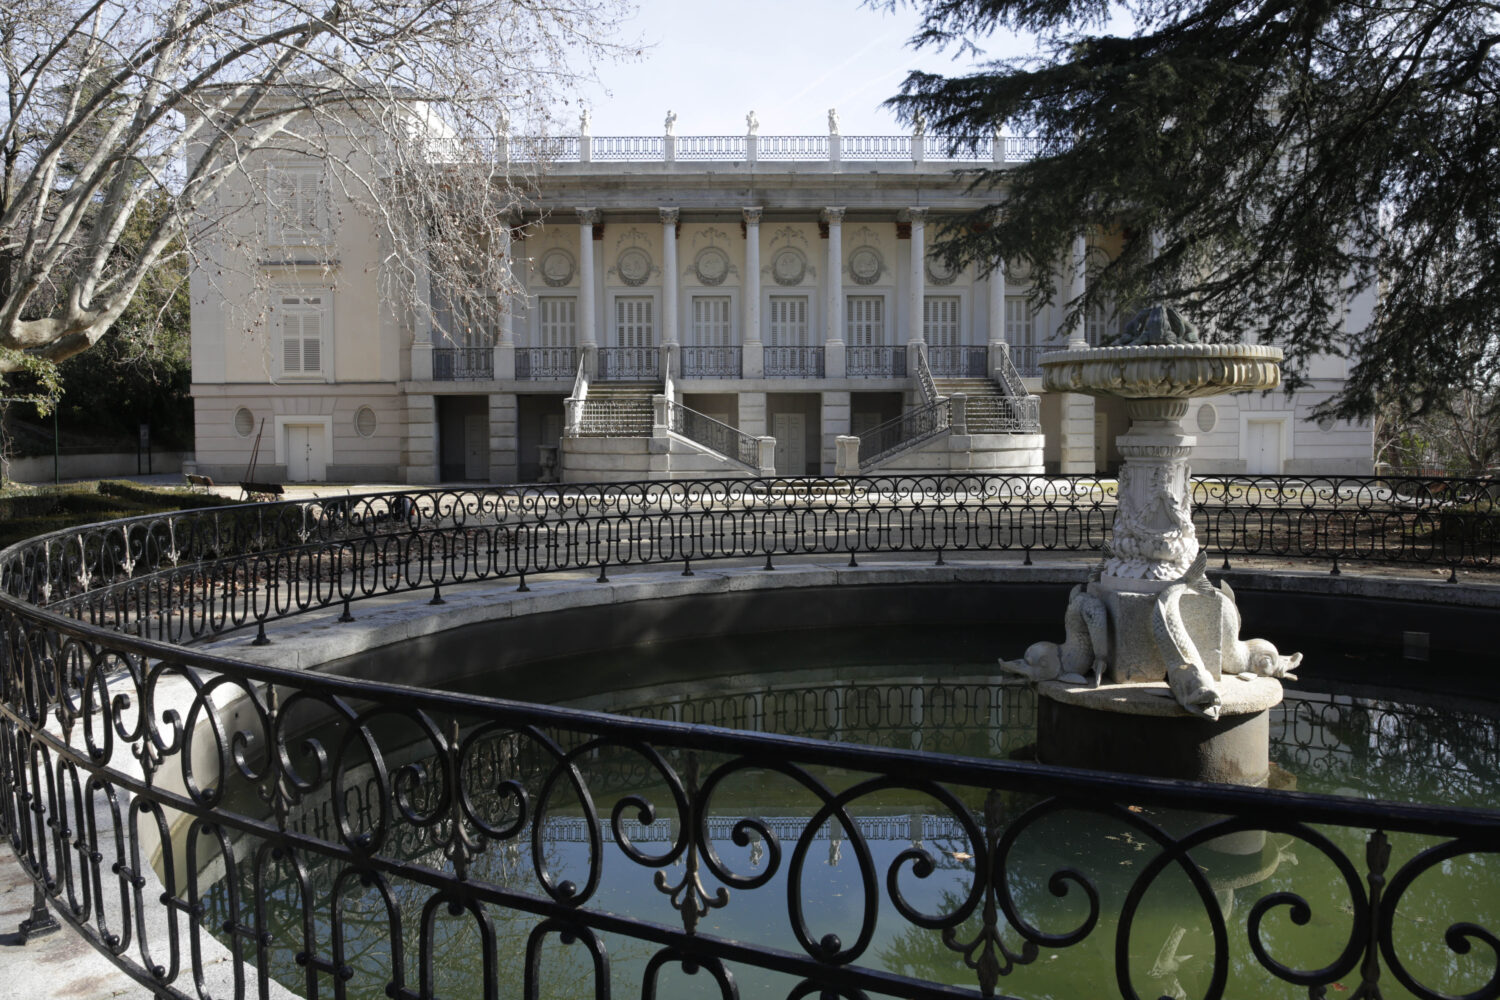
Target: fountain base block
x,y
1140,729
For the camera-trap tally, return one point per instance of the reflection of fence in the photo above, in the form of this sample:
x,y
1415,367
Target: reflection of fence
x,y
90,697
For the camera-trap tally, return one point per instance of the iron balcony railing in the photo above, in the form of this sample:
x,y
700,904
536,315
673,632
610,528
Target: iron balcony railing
x,y
1027,358
629,364
606,416
546,362
116,738
899,433
710,362
457,364
793,362
875,362
738,148
714,435
959,362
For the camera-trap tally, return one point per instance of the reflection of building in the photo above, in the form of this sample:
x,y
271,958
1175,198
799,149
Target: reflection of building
x,y
713,292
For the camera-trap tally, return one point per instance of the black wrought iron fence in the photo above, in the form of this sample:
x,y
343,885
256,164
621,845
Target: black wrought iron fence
x,y
351,838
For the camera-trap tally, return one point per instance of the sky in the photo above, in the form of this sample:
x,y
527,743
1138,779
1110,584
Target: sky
x,y
713,61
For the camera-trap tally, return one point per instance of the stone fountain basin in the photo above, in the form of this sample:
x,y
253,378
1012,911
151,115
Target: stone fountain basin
x,y
1169,371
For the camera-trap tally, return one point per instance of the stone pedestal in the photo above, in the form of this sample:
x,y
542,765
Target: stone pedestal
x,y
1137,657
1140,729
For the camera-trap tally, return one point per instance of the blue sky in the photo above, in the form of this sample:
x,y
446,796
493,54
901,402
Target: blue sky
x,y
712,61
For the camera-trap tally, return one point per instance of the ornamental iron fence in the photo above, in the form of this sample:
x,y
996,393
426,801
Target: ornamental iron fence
x,y
629,364
959,362
546,362
793,362
878,361
455,364
165,799
710,362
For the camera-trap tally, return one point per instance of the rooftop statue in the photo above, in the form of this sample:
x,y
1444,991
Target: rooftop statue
x,y
752,124
671,123
833,121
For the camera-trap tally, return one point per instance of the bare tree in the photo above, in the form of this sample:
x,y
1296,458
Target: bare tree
x,y
124,110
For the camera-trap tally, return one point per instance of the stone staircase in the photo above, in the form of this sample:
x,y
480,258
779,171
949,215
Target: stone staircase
x,y
986,407
619,409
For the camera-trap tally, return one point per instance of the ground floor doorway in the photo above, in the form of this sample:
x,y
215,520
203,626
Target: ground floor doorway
x,y
539,428
795,420
463,438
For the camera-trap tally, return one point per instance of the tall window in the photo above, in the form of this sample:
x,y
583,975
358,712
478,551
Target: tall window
x,y
303,321
296,205
557,321
940,320
710,321
866,320
633,323
789,321
469,322
1020,321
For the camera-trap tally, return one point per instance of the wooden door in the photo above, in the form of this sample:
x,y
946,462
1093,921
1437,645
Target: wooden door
x,y
790,431
1263,447
306,454
477,447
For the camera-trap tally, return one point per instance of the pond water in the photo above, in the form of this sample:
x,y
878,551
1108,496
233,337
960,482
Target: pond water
x,y
910,689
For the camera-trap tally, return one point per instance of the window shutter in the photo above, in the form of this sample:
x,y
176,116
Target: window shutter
x,y
312,341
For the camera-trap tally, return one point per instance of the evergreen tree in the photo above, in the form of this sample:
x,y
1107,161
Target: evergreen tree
x,y
1265,160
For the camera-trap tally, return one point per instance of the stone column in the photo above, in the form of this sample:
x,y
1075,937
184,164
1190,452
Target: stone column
x,y
916,291
669,218
1077,285
504,348
587,217
752,353
998,344
833,307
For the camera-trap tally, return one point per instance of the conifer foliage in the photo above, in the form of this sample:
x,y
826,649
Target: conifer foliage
x,y
1264,159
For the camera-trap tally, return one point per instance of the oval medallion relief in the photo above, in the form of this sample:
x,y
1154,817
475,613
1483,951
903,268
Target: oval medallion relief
x,y
865,266
711,266
634,266
788,267
556,268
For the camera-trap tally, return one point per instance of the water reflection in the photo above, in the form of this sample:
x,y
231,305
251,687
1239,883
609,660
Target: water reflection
x,y
955,882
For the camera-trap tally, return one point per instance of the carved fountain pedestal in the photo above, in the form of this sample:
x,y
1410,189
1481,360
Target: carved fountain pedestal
x,y
1152,676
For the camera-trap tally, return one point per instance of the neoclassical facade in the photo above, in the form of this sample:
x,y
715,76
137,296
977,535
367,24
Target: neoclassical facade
x,y
686,306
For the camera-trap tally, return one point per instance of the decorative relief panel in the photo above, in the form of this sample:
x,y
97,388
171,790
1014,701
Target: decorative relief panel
x,y
939,273
633,263
788,266
556,267
711,266
865,265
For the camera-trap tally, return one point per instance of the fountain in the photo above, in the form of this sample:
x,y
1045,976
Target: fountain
x,y
1139,682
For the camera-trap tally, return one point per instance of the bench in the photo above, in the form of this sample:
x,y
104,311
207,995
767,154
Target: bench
x,y
261,491
197,482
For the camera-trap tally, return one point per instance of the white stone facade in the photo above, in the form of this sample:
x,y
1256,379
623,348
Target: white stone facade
x,y
790,273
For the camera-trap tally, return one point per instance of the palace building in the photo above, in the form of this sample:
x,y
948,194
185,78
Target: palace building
x,y
686,306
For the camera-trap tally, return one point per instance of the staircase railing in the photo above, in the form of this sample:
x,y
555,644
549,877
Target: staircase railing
x,y
715,435
605,416
902,432
1019,415
573,405
1008,376
924,376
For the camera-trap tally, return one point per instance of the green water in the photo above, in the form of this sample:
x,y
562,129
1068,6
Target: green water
x,y
893,690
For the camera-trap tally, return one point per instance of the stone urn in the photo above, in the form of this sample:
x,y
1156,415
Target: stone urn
x,y
1152,676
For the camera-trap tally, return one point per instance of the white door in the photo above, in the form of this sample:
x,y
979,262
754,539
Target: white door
x,y
306,453
476,446
790,431
1263,447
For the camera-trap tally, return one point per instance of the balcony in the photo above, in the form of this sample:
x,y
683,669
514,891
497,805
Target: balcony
x,y
546,362
629,364
794,362
1028,357
710,362
959,362
875,362
463,364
